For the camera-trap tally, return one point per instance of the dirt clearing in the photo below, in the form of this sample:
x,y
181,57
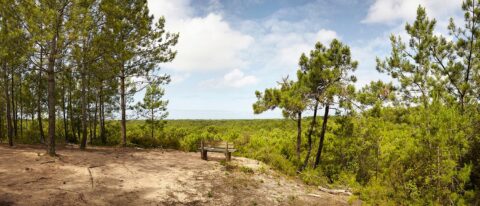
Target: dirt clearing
x,y
116,176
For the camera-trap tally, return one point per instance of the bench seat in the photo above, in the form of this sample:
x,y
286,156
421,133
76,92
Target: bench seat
x,y
216,146
216,149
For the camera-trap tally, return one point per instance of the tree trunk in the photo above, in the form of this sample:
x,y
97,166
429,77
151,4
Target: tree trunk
x,y
39,99
51,98
21,116
299,134
152,118
70,109
90,122
102,117
310,132
64,112
95,117
322,136
7,97
1,123
84,111
123,108
14,106
19,102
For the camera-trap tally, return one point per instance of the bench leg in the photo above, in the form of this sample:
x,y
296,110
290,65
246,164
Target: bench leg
x,y
228,156
204,155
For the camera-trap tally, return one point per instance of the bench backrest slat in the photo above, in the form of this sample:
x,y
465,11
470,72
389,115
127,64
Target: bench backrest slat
x,y
218,144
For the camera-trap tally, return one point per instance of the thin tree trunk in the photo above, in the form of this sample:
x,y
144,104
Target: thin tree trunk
x,y
33,120
123,108
299,134
83,143
95,117
70,108
21,106
65,122
90,122
322,136
39,99
14,106
9,117
79,127
102,118
152,118
21,120
310,132
1,122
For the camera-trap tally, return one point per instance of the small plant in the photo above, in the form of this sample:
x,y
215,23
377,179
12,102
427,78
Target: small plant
x,y
246,170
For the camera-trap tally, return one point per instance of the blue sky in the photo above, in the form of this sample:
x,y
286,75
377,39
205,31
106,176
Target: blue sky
x,y
229,49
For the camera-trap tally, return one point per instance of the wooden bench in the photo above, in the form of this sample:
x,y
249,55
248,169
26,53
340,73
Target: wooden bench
x,y
216,146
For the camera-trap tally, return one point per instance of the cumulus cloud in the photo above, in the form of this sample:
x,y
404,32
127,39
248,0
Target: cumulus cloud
x,y
392,11
235,78
288,46
325,36
206,43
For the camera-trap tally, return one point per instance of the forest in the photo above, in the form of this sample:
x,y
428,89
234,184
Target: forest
x,y
70,69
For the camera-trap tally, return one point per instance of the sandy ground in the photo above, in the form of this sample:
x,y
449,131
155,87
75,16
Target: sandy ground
x,y
116,176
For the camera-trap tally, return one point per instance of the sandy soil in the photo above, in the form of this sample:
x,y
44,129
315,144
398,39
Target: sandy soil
x,y
116,176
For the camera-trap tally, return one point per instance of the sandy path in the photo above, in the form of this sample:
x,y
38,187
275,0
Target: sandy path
x,y
112,176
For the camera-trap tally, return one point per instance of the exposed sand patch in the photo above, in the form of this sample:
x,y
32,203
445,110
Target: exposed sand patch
x,y
115,176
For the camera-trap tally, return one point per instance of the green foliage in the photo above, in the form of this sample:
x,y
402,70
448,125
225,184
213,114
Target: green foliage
x,y
153,107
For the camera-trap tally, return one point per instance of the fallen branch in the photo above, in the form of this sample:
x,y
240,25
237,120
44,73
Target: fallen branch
x,y
314,195
335,192
51,161
91,176
41,178
94,166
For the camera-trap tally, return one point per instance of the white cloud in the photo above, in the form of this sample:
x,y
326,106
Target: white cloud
x,y
326,36
206,43
288,46
366,53
179,77
235,78
392,11
173,11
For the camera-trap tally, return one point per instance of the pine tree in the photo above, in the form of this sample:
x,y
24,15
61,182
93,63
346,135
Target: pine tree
x,y
137,46
153,107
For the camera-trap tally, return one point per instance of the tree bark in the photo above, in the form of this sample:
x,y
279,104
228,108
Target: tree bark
x,y
21,108
39,104
1,122
51,96
102,117
14,106
310,132
322,136
152,119
123,108
7,97
83,143
95,118
299,134
90,121
70,109
64,113
51,106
